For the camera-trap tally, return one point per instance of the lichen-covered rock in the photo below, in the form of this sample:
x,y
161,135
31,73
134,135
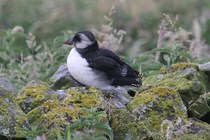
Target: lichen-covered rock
x,y
146,112
157,113
185,129
33,95
159,110
188,80
11,115
62,79
54,110
201,106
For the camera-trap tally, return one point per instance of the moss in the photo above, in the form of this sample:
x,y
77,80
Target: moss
x,y
34,90
90,98
11,116
187,79
157,100
34,114
47,110
157,113
200,107
33,95
188,129
123,123
147,111
178,66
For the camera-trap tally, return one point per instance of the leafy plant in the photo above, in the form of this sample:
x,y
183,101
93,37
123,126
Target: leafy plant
x,y
174,54
88,128
171,48
32,132
34,61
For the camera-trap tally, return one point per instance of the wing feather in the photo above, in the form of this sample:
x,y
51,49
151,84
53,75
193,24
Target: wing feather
x,y
116,70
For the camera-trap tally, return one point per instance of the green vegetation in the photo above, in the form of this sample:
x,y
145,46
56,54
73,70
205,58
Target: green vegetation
x,y
157,35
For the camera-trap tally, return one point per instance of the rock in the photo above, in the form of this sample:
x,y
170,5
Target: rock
x,y
33,95
205,67
187,129
146,112
53,109
6,85
62,79
157,113
12,118
188,80
201,106
158,110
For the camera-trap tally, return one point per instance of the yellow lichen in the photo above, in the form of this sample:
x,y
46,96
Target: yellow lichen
x,y
50,104
147,111
55,112
35,90
178,66
148,95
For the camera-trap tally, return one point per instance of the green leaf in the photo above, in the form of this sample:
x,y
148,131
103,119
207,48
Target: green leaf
x,y
68,133
163,49
106,129
187,55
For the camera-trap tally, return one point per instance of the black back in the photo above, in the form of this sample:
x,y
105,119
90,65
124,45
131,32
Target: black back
x,y
118,71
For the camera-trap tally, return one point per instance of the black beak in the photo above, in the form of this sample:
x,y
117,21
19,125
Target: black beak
x,y
69,41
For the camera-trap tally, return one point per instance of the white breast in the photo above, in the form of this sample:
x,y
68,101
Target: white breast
x,y
79,69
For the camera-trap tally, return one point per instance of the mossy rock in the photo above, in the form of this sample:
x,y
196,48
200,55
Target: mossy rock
x,y
146,112
185,129
52,110
188,80
12,118
32,95
201,106
157,113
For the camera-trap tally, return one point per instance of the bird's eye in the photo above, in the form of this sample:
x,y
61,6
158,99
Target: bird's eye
x,y
77,38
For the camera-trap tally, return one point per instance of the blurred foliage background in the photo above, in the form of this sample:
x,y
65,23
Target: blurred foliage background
x,y
32,33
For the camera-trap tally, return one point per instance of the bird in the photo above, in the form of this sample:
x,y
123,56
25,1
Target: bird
x,y
98,67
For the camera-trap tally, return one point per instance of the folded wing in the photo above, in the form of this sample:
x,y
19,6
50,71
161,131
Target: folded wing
x,y
120,73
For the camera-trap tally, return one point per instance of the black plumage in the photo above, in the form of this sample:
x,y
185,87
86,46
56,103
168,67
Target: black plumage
x,y
120,73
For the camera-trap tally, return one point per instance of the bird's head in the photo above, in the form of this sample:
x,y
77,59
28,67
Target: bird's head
x,y
82,40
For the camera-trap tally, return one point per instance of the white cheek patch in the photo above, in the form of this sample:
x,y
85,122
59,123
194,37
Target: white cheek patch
x,y
83,44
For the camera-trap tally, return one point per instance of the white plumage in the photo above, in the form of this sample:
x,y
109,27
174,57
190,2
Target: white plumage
x,y
78,68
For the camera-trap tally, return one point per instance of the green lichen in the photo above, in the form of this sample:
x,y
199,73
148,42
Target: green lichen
x,y
157,102
187,79
85,98
47,110
11,116
177,67
33,95
186,129
157,113
147,111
